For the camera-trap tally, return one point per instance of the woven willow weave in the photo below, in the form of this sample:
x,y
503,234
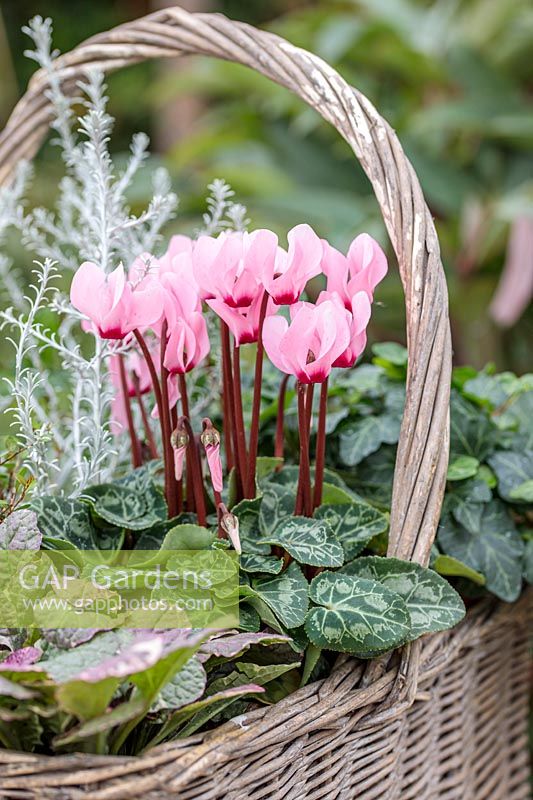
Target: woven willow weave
x,y
447,717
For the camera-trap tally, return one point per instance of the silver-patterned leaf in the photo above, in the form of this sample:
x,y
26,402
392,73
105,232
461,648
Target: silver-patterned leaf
x,y
286,595
309,541
253,562
277,504
433,604
356,615
354,524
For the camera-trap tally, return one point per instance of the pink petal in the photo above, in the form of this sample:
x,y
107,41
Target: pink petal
x,y
214,461
274,330
179,460
86,290
368,264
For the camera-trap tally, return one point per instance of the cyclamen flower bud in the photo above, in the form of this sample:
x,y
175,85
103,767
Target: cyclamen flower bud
x,y
229,524
210,438
179,441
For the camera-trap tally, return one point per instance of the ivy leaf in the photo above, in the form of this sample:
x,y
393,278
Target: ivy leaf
x,y
255,562
373,477
513,470
447,565
391,352
276,505
125,507
66,521
247,512
309,541
495,550
462,467
472,432
523,493
353,524
433,604
287,595
20,531
356,615
486,390
364,436
466,501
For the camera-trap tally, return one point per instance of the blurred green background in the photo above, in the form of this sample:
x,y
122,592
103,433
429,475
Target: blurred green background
x,y
453,77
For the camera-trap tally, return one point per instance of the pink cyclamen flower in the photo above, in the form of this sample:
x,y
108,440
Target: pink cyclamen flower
x,y
358,318
310,345
360,271
242,322
187,345
286,278
230,267
210,438
112,303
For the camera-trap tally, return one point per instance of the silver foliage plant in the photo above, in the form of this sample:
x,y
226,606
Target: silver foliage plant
x,y
69,445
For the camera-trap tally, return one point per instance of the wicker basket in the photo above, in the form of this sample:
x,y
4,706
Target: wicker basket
x,y
447,717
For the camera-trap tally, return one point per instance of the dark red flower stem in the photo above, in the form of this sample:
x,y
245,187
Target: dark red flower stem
x,y
303,497
136,454
239,415
280,420
231,428
170,488
189,487
256,405
177,483
150,441
321,445
195,471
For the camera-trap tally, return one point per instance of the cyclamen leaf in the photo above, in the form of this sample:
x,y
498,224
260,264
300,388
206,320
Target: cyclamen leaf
x,y
361,438
354,524
513,470
356,615
495,550
259,563
20,531
309,541
286,595
124,507
276,505
247,512
66,520
433,604
188,537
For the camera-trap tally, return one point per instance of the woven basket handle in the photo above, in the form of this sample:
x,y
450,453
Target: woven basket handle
x,y
423,447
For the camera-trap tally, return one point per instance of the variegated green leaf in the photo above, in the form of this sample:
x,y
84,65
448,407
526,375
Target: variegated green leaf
x,y
309,541
259,563
432,603
354,524
287,595
66,521
125,507
277,504
247,512
356,615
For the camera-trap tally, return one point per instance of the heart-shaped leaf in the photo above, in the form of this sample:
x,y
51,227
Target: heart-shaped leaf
x,y
247,512
309,541
286,595
125,507
513,471
462,467
356,615
66,521
353,524
276,505
432,603
495,549
259,563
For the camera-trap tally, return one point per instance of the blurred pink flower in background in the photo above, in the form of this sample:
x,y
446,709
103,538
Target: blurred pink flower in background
x,y
515,288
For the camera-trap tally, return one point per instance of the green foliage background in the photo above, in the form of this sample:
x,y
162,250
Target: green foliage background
x,y
454,77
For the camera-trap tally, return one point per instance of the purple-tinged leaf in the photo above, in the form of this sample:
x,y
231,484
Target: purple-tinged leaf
x,y
22,657
20,531
68,638
235,645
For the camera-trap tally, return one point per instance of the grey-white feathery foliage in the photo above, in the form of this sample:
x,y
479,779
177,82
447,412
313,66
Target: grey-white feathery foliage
x,y
71,447
61,415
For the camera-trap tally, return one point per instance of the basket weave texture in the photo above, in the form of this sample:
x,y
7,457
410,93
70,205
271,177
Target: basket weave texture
x,y
445,718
